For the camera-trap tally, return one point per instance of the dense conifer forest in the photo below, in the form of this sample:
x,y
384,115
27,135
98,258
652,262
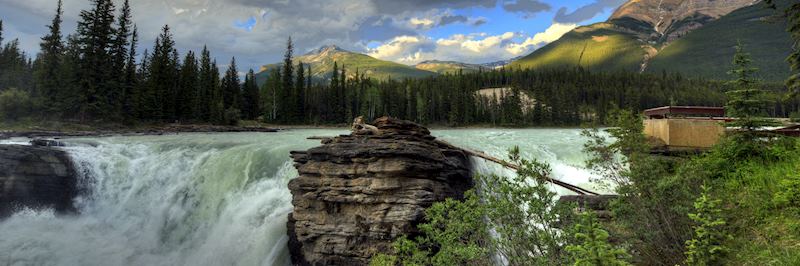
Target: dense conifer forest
x,y
95,75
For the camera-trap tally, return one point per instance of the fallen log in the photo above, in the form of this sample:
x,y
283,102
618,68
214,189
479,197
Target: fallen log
x,y
568,186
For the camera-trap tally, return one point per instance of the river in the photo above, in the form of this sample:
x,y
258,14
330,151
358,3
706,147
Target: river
x,y
213,199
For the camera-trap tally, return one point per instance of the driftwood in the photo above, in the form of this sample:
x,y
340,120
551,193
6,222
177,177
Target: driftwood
x,y
568,186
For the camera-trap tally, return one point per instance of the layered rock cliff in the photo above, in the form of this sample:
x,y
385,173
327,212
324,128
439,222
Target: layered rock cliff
x,y
35,177
357,193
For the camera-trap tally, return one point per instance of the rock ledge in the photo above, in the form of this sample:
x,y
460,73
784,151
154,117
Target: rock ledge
x,y
357,193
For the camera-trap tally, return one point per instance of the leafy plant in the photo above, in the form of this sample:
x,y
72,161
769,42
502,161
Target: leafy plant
x,y
15,104
593,247
707,246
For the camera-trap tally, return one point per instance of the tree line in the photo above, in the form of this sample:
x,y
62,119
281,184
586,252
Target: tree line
x,y
96,75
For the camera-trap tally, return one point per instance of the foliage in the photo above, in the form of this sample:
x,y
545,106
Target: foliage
x,y
792,14
521,212
746,101
707,245
15,104
592,247
232,116
653,201
524,214
453,234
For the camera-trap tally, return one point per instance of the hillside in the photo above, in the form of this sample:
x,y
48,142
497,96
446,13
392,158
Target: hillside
x,y
447,67
322,61
691,37
709,50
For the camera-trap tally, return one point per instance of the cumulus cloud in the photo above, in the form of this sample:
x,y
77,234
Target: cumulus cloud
x,y
553,33
470,48
586,12
527,7
479,21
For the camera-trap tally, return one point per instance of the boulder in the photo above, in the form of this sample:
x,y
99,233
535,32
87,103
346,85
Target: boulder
x,y
356,193
35,177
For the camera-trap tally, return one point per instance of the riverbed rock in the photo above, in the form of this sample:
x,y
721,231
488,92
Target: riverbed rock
x,y
357,193
35,177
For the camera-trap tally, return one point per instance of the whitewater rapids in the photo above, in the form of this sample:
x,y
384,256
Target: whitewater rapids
x,y
213,199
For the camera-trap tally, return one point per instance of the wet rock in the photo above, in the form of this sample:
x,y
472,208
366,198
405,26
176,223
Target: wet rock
x,y
35,177
46,143
357,193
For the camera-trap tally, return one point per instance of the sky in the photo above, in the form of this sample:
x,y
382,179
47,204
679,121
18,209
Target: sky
x,y
404,31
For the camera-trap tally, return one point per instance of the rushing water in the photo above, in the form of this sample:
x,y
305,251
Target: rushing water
x,y
211,199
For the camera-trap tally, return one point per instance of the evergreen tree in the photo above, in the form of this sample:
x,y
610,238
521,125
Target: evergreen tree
x,y
130,80
707,246
217,104
252,98
96,35
299,94
69,94
593,247
207,87
120,55
188,98
231,90
157,99
745,100
49,62
287,85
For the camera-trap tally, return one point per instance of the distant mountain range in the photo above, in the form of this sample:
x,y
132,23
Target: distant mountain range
x,y
695,38
322,59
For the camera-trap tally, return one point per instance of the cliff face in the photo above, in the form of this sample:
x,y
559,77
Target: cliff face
x,y
357,193
35,177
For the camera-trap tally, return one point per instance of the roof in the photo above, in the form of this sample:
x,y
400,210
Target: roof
x,y
666,111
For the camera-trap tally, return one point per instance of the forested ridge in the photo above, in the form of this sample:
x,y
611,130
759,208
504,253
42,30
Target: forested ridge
x,y
96,76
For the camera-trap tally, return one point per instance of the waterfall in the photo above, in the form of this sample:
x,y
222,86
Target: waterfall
x,y
209,199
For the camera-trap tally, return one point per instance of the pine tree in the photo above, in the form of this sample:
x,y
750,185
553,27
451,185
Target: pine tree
x,y
130,80
206,86
188,98
120,55
96,35
746,100
299,94
48,64
158,99
252,98
217,104
287,86
231,90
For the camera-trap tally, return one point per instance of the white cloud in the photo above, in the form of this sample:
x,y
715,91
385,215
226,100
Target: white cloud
x,y
421,22
551,34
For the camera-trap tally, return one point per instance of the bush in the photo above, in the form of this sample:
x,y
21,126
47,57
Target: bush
x,y
15,104
232,116
593,247
707,246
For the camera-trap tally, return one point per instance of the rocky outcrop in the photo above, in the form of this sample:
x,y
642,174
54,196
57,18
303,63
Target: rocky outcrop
x,y
35,177
357,193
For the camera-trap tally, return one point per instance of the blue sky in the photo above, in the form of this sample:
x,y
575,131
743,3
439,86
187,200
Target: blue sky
x,y
410,31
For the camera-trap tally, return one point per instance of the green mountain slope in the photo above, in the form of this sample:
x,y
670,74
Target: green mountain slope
x,y
708,51
698,42
447,67
322,61
602,46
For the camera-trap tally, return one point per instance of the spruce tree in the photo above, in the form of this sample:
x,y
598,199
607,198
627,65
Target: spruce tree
x,y
216,102
48,63
231,92
96,34
130,80
252,98
120,56
187,97
745,99
206,86
158,99
299,94
287,84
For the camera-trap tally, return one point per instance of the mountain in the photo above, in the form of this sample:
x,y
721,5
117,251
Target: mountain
x,y
694,37
322,61
447,67
501,63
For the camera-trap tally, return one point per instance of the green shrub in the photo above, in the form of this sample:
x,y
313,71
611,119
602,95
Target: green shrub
x,y
232,116
592,246
707,246
789,194
15,104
